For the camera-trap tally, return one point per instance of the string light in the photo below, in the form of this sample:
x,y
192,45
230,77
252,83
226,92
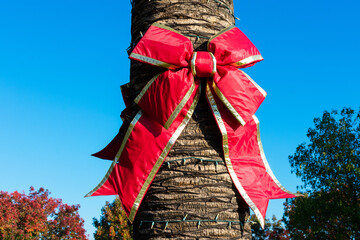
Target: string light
x,y
196,36
201,160
227,7
197,221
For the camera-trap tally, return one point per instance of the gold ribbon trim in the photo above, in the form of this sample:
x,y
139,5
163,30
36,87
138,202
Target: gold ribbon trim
x,y
248,60
160,160
126,137
145,88
225,143
266,164
228,105
179,107
152,61
255,84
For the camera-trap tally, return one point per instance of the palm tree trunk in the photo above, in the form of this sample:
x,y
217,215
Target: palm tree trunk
x,y
199,190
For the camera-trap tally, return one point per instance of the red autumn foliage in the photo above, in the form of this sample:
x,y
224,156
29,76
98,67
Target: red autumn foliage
x,y
38,216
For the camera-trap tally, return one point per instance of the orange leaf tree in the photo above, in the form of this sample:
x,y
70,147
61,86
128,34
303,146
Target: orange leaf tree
x,y
38,216
113,223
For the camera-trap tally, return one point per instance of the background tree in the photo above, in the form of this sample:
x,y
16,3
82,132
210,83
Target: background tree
x,y
113,223
273,229
329,168
38,216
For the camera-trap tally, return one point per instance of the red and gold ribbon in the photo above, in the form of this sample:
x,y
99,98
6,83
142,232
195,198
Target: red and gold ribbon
x,y
167,103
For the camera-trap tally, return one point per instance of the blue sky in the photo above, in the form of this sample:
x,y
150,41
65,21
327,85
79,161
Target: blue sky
x,y
62,62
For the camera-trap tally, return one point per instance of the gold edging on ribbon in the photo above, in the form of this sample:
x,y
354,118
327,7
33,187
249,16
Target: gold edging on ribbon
x,y
267,166
103,180
180,106
214,63
219,33
247,60
162,157
228,104
225,143
127,134
262,91
193,59
159,25
152,61
145,88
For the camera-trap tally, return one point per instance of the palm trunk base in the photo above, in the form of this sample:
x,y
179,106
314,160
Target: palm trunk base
x,y
194,182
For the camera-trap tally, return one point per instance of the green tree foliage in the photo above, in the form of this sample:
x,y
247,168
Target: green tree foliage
x,y
113,223
329,168
273,230
38,216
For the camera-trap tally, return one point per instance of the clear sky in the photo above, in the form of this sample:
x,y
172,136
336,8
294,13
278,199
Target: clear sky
x,y
62,62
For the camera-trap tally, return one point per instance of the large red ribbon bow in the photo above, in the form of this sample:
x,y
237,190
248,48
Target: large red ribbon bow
x,y
167,103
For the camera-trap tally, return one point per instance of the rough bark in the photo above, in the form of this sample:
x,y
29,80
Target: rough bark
x,y
200,190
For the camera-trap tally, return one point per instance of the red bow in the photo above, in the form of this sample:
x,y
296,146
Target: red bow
x,y
227,51
168,101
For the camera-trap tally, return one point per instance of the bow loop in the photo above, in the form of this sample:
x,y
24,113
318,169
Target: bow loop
x,y
239,93
164,96
163,47
232,47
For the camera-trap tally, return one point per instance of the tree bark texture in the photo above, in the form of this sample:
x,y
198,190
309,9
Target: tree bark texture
x,y
199,190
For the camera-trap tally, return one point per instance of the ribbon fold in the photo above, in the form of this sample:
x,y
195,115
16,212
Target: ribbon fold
x,y
167,103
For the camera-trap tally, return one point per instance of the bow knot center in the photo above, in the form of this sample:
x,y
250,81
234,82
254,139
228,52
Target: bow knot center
x,y
203,64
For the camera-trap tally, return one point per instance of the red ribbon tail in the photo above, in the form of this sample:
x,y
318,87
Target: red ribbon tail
x,y
245,159
145,141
